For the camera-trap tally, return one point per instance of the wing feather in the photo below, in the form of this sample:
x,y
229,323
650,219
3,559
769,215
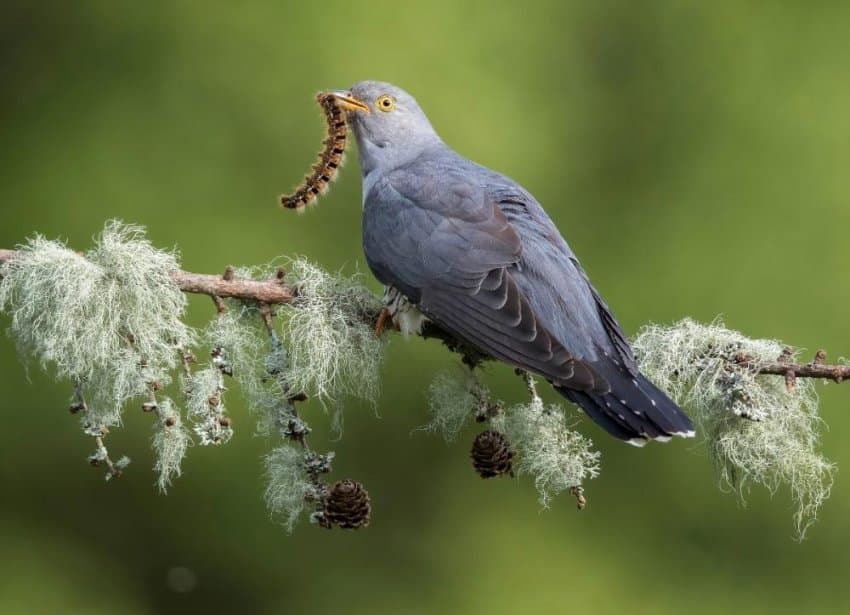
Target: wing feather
x,y
459,268
509,332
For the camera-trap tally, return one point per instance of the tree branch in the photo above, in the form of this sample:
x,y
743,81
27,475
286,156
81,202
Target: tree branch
x,y
268,292
216,286
275,292
837,373
792,371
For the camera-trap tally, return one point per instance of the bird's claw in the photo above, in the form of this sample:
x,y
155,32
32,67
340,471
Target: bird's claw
x,y
381,323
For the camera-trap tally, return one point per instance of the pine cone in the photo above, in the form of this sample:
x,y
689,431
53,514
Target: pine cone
x,y
347,505
491,454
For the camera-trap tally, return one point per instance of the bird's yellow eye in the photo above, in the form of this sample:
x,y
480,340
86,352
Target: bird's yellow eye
x,y
385,103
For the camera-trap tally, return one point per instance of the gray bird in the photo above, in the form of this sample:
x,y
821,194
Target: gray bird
x,y
473,252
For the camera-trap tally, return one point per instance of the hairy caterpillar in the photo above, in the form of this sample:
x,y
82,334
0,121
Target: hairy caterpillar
x,y
330,158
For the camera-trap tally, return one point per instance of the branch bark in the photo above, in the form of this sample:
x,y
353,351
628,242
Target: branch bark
x,y
275,292
837,373
791,371
268,292
222,287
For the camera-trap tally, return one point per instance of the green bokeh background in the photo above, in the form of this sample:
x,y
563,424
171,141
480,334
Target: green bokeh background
x,y
694,154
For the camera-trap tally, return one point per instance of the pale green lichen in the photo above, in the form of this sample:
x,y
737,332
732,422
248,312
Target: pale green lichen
x,y
558,457
333,350
756,430
258,362
170,441
451,401
119,466
321,345
110,318
288,485
204,393
239,333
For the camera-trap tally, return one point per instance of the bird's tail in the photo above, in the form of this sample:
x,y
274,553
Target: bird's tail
x,y
635,410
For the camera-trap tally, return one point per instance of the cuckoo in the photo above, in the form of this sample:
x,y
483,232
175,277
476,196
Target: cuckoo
x,y
474,253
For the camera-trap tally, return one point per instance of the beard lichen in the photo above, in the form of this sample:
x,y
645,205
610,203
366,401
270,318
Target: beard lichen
x,y
288,486
451,401
204,392
756,430
332,347
558,457
110,318
257,361
170,441
548,449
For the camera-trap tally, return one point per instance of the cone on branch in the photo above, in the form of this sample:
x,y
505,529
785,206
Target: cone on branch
x,y
347,505
492,454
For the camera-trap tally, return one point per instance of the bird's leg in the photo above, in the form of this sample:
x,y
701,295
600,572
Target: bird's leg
x,y
381,323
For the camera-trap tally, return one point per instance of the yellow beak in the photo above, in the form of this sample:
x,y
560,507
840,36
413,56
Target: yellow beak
x,y
347,101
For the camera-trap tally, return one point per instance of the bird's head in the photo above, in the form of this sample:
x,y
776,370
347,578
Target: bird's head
x,y
388,123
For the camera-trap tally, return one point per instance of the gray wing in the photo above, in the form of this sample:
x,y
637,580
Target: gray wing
x,y
445,243
564,300
558,287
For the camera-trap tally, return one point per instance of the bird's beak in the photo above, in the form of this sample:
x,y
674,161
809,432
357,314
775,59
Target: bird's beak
x,y
347,101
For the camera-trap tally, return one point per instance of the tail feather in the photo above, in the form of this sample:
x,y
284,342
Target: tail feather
x,y
635,410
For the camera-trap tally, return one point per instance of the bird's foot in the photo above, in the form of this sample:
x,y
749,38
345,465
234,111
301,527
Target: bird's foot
x,y
381,323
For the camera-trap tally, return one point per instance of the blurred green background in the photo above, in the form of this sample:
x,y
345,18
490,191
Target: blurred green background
x,y
694,154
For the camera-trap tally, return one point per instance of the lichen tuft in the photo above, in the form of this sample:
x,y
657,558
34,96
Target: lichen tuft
x,y
451,401
170,441
204,392
333,350
756,430
110,318
288,484
558,457
259,364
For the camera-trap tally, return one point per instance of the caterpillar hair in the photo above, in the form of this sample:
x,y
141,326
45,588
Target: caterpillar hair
x,y
330,158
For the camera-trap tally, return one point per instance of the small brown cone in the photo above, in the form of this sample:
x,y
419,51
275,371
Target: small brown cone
x,y
348,505
491,454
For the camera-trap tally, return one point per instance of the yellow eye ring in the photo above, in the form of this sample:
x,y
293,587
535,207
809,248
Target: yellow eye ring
x,y
385,103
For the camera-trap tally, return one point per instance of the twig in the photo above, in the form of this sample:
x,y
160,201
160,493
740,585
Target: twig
x,y
101,454
530,384
780,367
315,464
270,291
266,316
836,373
111,470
